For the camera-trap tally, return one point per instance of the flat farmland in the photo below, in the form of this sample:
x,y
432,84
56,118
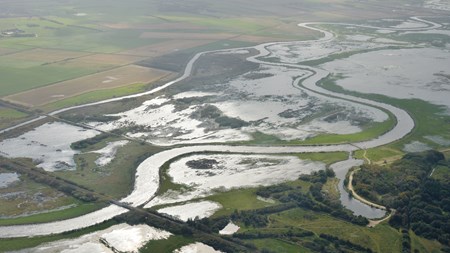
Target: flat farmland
x,y
38,56
110,79
4,50
104,60
166,47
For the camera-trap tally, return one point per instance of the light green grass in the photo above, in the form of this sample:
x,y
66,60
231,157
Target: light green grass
x,y
7,113
382,238
95,96
379,154
441,173
423,245
168,245
115,179
14,80
239,199
226,24
279,246
366,134
327,158
429,119
55,215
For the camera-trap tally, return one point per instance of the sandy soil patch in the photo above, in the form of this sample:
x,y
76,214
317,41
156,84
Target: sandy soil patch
x,y
108,153
105,80
188,211
122,238
229,229
197,247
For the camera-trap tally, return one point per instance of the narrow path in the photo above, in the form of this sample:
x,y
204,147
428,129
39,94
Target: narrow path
x,y
358,197
372,222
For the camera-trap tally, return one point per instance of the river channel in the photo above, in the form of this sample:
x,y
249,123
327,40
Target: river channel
x,y
147,173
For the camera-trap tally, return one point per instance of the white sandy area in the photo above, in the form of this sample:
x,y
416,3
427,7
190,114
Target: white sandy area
x,y
108,153
122,237
410,24
267,200
229,229
192,94
192,210
48,145
197,247
132,238
232,171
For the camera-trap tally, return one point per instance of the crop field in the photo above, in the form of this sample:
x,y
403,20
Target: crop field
x,y
165,47
115,78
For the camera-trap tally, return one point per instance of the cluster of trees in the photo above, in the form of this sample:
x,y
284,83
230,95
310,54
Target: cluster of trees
x,y
422,202
79,145
344,244
314,200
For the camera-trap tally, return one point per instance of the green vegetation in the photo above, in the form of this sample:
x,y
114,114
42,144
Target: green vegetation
x,y
327,158
429,119
240,199
421,202
15,80
169,245
94,96
80,209
9,116
382,238
115,179
278,245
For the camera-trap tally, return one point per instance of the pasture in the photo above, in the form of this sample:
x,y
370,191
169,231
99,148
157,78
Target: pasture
x,y
114,78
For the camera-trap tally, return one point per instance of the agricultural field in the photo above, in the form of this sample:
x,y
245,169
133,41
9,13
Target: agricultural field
x,y
118,77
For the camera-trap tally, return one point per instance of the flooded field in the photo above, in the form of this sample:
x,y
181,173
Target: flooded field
x,y
421,73
48,145
8,178
278,97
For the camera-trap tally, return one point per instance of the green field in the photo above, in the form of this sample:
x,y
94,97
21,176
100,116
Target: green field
x,y
115,179
94,96
382,238
80,209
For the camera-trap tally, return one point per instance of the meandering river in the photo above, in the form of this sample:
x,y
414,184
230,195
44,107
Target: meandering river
x,y
147,173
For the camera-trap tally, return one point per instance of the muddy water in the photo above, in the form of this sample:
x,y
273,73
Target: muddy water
x,y
357,207
147,177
